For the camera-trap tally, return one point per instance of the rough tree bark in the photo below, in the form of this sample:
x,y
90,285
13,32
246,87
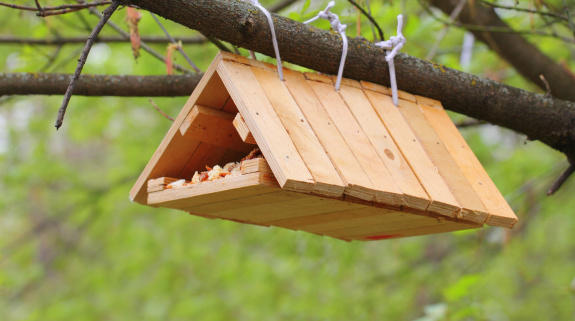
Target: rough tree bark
x,y
98,85
527,59
540,118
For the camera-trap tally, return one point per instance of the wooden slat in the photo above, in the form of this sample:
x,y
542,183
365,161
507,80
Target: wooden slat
x,y
219,209
472,207
359,220
255,165
353,134
500,212
280,152
327,180
162,181
383,225
447,226
341,156
243,129
276,213
336,217
215,191
443,202
413,194
174,151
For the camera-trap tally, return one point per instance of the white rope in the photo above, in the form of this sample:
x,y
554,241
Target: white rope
x,y
339,27
394,44
274,40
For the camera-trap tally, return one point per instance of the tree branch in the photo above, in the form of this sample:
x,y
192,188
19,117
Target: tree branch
x,y
106,15
108,39
526,58
540,118
98,85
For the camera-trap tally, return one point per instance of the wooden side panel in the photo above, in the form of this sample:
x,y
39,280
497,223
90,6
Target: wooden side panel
x,y
327,180
215,127
500,212
341,156
205,155
353,134
383,225
215,191
272,138
443,201
174,151
472,207
414,195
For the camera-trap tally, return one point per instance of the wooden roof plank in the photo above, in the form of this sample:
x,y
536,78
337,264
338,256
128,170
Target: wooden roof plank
x,y
341,156
472,207
414,194
442,200
500,212
327,180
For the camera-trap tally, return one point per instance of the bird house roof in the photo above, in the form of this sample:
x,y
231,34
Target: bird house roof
x,y
353,144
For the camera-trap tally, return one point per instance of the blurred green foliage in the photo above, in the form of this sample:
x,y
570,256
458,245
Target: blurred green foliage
x,y
73,247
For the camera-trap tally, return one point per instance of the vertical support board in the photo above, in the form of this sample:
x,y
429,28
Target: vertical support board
x,y
272,138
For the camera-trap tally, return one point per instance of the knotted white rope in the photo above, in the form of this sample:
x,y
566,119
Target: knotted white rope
x,y
274,40
394,44
339,27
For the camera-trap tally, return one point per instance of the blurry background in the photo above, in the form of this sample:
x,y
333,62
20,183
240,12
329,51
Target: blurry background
x,y
73,247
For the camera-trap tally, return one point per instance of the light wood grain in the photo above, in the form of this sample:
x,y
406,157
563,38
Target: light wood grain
x,y
255,165
327,180
472,207
353,134
243,130
275,143
442,200
500,212
341,156
447,226
413,194
215,191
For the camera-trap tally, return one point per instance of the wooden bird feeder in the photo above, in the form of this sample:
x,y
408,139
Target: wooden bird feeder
x,y
345,164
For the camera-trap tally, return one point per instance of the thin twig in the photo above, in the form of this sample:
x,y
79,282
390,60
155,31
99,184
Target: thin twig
x,y
371,24
143,45
109,39
571,26
548,94
216,42
561,179
62,7
106,15
365,13
549,14
56,12
159,110
172,40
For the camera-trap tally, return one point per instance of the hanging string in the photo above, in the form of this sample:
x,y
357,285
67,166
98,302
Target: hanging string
x,y
394,44
339,27
274,40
